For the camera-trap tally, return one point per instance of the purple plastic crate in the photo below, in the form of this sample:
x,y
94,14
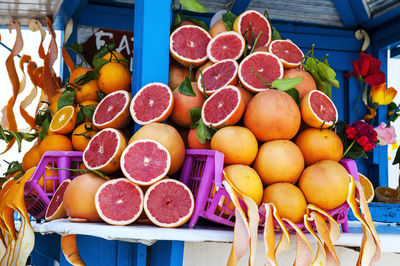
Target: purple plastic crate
x,y
38,197
202,173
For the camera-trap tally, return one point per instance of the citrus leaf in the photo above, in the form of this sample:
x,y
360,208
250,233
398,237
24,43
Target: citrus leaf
x,y
204,133
286,84
294,94
186,87
228,19
193,5
18,138
41,116
28,136
275,34
80,117
45,128
177,20
195,116
108,47
87,77
99,62
101,95
13,167
4,136
88,112
197,22
76,48
66,98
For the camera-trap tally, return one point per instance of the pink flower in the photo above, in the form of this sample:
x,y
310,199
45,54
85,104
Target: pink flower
x,y
386,135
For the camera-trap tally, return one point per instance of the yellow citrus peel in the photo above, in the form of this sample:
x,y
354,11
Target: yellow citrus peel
x,y
304,252
70,250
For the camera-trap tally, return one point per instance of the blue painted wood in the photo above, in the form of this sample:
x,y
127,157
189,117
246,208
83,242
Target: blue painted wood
x,y
346,12
131,254
48,245
395,52
167,253
361,14
68,9
382,212
240,6
64,71
388,18
37,259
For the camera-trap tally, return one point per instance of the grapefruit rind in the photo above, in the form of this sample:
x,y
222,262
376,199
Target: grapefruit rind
x,y
68,126
285,63
60,211
154,180
223,34
115,222
164,115
251,87
183,60
121,119
112,164
238,21
310,117
231,81
229,118
183,219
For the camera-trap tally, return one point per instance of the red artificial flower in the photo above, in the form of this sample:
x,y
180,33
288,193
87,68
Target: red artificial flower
x,y
350,132
363,133
368,147
363,140
367,68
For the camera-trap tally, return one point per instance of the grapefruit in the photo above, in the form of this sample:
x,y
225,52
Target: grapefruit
x,y
246,95
279,161
177,75
119,201
112,111
168,137
104,151
217,28
188,45
288,52
267,66
63,122
238,144
202,68
325,184
217,76
183,103
114,77
79,196
224,108
152,103
288,200
271,115
306,85
317,145
55,209
145,161
259,25
194,143
168,203
226,45
318,110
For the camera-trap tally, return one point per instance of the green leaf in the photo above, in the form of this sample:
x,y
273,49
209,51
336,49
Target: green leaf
x,y
326,72
193,5
13,167
86,78
397,158
76,48
229,18
45,129
66,98
294,94
99,62
41,116
286,84
28,136
88,111
186,87
108,47
195,116
18,138
275,34
4,136
80,117
101,95
204,133
177,20
197,22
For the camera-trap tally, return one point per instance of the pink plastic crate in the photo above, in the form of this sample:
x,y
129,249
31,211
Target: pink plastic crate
x,y
202,172
37,197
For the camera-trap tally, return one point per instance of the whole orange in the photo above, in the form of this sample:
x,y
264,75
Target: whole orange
x,y
279,161
272,114
55,142
53,107
325,184
317,145
31,158
114,77
306,85
238,144
49,181
81,136
114,56
84,92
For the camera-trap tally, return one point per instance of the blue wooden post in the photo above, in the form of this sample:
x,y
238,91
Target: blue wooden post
x,y
167,253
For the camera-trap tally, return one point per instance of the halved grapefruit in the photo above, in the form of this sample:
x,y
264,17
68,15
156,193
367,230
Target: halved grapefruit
x,y
145,161
288,52
267,66
224,108
168,203
56,210
318,110
104,151
259,24
112,111
218,75
226,45
119,201
152,103
188,45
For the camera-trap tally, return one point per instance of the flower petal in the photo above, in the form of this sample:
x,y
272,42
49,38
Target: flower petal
x,y
375,79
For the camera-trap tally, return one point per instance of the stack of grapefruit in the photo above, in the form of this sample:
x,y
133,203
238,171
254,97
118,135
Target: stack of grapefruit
x,y
276,149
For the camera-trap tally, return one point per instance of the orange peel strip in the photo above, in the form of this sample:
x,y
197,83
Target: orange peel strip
x,y
70,250
67,58
320,256
284,243
254,220
35,25
241,232
269,234
304,252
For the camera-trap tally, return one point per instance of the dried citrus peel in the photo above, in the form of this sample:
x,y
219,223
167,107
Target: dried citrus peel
x,y
35,25
70,250
67,58
320,257
304,252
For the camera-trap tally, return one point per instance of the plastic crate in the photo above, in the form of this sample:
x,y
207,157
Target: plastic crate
x,y
38,198
202,173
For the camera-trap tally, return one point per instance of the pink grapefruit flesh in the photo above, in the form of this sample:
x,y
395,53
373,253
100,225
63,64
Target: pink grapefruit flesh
x,y
56,210
218,75
188,45
145,161
323,107
168,203
258,23
152,103
226,45
225,107
266,65
112,111
288,52
119,201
